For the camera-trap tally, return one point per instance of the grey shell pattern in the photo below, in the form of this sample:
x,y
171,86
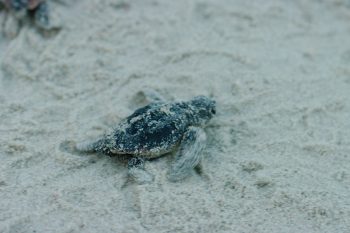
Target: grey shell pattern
x,y
150,131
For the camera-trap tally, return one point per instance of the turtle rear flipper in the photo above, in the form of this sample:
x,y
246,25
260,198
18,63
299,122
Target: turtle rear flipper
x,y
101,145
90,146
18,7
137,172
41,15
148,96
188,155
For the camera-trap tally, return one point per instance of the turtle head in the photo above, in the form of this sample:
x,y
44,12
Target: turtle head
x,y
203,108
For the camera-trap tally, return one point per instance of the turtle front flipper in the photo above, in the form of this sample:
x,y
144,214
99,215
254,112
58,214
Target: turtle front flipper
x,y
137,172
189,154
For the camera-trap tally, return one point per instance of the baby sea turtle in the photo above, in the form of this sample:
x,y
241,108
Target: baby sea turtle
x,y
156,129
39,9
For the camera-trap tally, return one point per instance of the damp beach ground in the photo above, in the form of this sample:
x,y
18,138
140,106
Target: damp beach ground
x,y
278,152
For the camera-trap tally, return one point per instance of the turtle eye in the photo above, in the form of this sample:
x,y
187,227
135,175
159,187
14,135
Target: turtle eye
x,y
213,111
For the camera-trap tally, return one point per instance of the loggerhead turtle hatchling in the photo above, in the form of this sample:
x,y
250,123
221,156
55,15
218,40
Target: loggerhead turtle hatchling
x,y
39,8
156,129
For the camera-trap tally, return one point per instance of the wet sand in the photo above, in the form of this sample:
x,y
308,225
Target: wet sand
x,y
278,153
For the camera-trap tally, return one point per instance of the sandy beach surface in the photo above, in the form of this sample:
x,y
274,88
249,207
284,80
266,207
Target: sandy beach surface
x,y
278,152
